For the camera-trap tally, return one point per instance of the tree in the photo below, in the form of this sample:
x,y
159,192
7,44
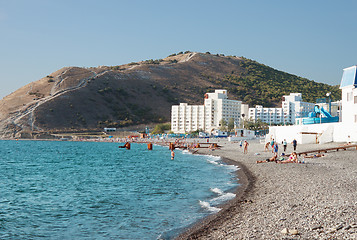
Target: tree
x,y
257,125
161,128
223,125
230,124
195,133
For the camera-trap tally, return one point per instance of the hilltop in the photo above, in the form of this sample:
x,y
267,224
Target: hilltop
x,y
87,99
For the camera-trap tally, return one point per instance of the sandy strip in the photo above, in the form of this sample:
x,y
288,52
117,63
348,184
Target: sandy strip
x,y
314,200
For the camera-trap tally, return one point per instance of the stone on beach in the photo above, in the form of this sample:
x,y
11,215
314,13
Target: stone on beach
x,y
285,231
315,200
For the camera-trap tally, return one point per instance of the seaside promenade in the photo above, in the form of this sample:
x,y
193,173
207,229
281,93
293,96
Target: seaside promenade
x,y
313,200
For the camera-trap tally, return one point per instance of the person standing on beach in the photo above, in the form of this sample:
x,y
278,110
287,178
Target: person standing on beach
x,y
294,144
240,143
245,147
272,145
276,149
285,144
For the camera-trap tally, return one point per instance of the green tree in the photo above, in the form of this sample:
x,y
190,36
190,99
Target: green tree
x,y
257,125
223,125
161,128
195,133
230,124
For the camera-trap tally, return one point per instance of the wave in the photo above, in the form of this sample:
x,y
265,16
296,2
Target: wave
x,y
218,161
214,160
216,190
232,167
208,206
222,196
186,152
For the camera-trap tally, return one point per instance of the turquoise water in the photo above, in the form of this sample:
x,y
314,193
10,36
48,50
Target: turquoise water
x,y
93,190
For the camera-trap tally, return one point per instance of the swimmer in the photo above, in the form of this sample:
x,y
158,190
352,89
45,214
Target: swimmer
x,y
172,155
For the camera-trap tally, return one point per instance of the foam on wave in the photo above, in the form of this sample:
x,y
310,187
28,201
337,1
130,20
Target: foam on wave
x,y
207,205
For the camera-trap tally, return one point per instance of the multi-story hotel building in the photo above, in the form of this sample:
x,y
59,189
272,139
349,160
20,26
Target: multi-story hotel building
x,y
292,107
268,115
187,118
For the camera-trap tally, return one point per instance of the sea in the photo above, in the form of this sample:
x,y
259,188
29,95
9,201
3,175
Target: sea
x,y
94,190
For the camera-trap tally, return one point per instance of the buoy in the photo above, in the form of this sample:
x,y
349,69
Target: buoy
x,y
149,146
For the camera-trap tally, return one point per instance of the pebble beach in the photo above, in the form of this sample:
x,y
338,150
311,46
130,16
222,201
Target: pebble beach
x,y
316,199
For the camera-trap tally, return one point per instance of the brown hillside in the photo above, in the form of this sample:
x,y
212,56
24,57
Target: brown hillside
x,y
75,99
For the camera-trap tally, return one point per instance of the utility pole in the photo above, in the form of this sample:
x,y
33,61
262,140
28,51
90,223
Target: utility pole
x,y
329,102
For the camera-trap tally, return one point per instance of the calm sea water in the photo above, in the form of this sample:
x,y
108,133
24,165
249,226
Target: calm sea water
x,y
91,190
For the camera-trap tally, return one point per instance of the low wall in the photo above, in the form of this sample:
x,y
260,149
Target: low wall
x,y
314,133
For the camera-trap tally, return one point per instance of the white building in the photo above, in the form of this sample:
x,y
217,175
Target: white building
x,y
349,95
292,107
187,118
343,131
268,115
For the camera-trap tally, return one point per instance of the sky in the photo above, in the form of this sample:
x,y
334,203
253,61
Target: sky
x,y
312,39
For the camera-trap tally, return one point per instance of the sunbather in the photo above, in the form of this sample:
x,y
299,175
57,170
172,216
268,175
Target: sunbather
x,y
272,159
292,158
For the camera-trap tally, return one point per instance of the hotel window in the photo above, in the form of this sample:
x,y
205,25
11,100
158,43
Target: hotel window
x,y
355,118
355,99
349,96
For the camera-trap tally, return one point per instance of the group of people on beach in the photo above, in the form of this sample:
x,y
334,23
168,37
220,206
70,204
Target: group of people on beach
x,y
292,159
275,149
273,144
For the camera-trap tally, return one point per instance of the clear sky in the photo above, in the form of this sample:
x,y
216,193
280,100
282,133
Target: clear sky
x,y
315,39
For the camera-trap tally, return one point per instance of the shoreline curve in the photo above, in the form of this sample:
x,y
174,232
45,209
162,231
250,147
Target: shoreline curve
x,y
246,182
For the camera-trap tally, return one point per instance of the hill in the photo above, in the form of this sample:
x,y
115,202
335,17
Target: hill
x,y
88,99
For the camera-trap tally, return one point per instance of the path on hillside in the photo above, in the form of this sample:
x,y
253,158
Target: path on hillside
x,y
15,117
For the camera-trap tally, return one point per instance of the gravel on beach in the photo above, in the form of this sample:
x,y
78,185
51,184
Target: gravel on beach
x,y
313,200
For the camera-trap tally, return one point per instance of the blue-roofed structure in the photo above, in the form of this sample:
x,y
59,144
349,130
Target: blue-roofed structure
x,y
349,77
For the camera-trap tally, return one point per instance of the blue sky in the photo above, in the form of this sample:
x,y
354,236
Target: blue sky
x,y
312,39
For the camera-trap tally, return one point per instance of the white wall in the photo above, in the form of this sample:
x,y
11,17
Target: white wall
x,y
327,132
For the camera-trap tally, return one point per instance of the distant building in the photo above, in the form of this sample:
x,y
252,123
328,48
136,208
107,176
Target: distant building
x,y
110,129
268,115
187,118
218,107
292,108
